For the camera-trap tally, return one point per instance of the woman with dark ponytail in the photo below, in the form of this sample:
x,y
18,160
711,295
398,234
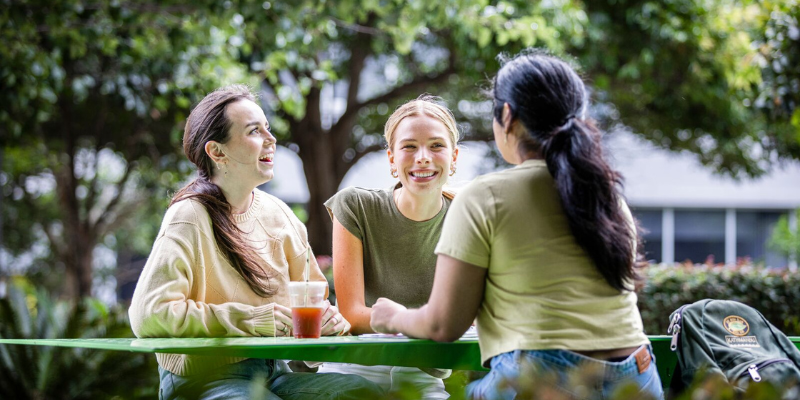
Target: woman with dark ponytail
x,y
544,254
222,260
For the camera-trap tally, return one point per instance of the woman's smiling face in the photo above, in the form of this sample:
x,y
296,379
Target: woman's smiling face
x,y
422,153
250,148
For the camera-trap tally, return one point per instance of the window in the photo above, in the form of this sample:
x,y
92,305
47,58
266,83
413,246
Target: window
x,y
699,236
753,229
650,222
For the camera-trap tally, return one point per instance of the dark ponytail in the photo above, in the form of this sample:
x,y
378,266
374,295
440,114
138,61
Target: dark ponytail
x,y
207,122
547,97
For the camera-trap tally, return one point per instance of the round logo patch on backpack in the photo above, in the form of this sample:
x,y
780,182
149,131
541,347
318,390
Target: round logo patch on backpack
x,y
736,325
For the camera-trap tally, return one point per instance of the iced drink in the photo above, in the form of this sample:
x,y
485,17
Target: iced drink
x,y
307,322
308,301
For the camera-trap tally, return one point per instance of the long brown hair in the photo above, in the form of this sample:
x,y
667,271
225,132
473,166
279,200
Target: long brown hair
x,y
208,121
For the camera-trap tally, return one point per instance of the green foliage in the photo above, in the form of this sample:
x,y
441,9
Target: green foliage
x,y
773,292
304,45
94,95
784,239
582,380
716,387
35,372
718,79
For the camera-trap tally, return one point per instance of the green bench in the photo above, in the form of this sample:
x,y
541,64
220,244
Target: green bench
x,y
461,354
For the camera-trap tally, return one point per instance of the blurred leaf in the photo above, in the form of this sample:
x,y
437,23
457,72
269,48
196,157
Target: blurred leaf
x,y
36,372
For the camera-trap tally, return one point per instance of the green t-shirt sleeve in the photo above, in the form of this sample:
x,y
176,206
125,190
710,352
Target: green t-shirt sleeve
x,y
345,206
467,231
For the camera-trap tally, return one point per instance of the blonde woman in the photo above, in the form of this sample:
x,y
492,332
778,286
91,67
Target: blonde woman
x,y
383,239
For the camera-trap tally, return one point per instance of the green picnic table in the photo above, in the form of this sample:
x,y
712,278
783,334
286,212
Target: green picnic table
x,y
461,354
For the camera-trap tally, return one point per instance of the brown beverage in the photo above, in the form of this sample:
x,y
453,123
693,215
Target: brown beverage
x,y
307,322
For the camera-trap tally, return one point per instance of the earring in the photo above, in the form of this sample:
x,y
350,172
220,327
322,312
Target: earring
x,y
452,170
505,138
217,165
394,173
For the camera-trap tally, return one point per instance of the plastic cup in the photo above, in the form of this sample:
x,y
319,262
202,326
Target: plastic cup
x,y
308,304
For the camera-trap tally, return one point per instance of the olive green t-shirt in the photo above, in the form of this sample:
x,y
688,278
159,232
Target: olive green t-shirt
x,y
399,261
542,290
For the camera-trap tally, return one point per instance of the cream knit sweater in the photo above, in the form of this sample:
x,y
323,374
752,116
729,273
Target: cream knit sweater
x,y
188,288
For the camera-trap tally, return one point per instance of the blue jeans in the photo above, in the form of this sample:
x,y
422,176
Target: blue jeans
x,y
264,379
511,371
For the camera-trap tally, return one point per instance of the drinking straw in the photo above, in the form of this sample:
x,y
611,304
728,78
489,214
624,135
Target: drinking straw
x,y
305,276
306,270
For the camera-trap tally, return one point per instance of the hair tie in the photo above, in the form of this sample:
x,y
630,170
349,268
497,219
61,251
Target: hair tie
x,y
565,125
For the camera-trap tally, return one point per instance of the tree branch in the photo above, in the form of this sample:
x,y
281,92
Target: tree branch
x,y
90,197
280,112
104,215
367,30
57,246
418,84
124,211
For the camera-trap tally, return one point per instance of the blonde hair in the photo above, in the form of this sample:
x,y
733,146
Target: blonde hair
x,y
425,104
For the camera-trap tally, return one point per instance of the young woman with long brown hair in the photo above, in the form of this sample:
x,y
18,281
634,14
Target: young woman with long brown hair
x,y
222,261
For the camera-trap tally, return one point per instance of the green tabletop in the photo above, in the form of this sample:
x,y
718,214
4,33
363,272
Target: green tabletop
x,y
461,354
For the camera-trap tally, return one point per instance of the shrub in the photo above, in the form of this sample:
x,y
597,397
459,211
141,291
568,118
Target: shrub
x,y
773,292
37,372
582,381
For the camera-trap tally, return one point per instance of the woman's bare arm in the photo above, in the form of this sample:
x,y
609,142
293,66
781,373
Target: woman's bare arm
x,y
348,277
457,293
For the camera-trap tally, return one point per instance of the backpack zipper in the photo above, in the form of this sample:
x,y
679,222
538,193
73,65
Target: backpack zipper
x,y
675,328
753,368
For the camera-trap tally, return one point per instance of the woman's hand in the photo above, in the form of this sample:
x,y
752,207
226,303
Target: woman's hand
x,y
333,321
283,320
383,312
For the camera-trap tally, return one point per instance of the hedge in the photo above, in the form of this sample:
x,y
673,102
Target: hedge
x,y
774,292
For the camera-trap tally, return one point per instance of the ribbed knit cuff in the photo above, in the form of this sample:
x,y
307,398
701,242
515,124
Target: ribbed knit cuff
x,y
264,320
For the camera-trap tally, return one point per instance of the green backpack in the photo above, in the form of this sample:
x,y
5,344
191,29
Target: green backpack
x,y
731,339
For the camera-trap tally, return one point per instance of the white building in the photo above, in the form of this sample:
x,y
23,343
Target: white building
x,y
692,213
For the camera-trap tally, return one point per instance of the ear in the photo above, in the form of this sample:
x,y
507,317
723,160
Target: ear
x,y
455,154
214,151
390,155
507,117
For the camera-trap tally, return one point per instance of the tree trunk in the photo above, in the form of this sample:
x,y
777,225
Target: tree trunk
x,y
320,163
77,234
322,184
78,263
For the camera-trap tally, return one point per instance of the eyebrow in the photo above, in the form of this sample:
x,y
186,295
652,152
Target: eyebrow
x,y
430,140
249,124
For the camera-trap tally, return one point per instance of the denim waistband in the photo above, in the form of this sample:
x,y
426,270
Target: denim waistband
x,y
568,359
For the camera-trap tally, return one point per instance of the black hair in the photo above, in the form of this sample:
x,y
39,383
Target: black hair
x,y
548,98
